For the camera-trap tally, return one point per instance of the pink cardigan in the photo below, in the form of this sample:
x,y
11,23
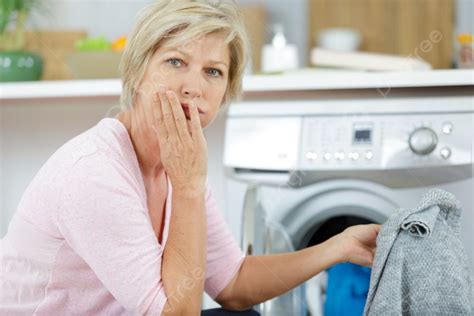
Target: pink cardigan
x,y
82,243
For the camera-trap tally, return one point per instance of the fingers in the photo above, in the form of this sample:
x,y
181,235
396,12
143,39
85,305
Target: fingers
x,y
378,228
196,129
179,117
170,118
167,115
158,115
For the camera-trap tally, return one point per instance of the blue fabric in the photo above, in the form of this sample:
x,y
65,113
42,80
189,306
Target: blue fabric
x,y
347,289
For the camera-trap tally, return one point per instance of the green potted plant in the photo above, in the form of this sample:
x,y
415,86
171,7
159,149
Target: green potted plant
x,y
16,64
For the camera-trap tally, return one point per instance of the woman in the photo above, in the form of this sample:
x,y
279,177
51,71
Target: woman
x,y
120,219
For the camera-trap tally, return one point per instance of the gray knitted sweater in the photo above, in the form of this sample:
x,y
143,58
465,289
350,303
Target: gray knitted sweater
x,y
420,266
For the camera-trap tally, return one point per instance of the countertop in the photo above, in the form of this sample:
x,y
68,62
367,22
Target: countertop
x,y
298,81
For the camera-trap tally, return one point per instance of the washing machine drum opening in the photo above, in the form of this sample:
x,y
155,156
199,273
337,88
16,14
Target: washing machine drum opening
x,y
332,227
343,288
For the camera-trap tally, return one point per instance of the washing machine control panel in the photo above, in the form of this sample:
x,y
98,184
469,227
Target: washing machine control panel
x,y
399,142
386,141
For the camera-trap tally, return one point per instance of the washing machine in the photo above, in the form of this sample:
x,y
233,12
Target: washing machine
x,y
312,168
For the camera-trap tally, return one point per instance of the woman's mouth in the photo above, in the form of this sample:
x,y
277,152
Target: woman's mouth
x,y
185,107
186,113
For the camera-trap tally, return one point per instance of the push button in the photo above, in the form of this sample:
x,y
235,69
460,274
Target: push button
x,y
311,156
339,155
354,155
447,128
445,152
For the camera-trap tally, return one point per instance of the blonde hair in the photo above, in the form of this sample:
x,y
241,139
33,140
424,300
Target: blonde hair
x,y
182,21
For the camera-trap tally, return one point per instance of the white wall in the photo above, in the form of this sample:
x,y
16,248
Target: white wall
x,y
111,18
464,16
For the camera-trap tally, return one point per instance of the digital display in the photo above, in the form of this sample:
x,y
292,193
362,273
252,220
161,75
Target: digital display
x,y
363,136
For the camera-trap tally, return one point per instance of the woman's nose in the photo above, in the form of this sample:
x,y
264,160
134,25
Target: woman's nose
x,y
192,93
191,86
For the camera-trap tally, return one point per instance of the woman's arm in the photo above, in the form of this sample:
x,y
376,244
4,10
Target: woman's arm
x,y
264,277
184,158
184,259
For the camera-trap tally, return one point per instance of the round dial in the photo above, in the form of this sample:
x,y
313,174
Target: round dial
x,y
423,141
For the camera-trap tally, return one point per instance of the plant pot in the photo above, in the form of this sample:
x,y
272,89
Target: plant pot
x,y
20,66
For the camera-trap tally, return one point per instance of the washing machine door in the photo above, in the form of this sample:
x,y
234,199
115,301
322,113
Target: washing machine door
x,y
262,237
286,219
301,211
276,240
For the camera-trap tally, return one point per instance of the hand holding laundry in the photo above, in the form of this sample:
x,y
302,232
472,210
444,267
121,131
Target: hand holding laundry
x,y
358,243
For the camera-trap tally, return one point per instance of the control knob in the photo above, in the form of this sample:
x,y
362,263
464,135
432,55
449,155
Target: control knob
x,y
423,141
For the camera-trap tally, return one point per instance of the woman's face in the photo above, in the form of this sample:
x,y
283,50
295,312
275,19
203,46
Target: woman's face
x,y
196,71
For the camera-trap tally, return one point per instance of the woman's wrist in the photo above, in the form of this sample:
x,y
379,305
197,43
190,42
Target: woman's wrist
x,y
189,191
338,249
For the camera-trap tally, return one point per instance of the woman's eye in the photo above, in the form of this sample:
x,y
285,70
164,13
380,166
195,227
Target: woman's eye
x,y
215,72
174,61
